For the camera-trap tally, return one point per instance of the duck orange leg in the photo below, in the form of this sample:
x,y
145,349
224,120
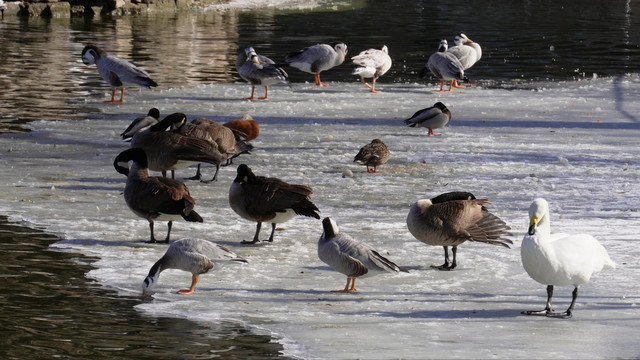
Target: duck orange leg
x,y
318,82
194,282
348,289
441,86
455,85
113,96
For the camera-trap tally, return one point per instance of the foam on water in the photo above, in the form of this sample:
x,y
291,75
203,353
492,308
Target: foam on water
x,y
572,143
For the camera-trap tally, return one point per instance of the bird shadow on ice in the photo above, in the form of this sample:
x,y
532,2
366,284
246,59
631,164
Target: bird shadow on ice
x,y
136,243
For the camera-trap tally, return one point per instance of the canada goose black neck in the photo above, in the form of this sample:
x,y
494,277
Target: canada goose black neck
x,y
168,121
136,155
244,174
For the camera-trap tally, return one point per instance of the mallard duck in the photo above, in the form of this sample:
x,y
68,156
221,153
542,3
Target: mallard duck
x,y
373,154
434,117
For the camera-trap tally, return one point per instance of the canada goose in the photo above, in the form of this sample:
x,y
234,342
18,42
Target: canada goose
x,y
453,218
559,259
372,63
196,256
227,142
141,123
170,150
350,257
467,51
259,70
115,71
373,154
259,198
317,58
434,117
247,125
444,66
153,197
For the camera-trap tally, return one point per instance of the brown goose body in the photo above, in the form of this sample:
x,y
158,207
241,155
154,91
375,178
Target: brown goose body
x,y
453,218
170,150
373,155
151,197
260,199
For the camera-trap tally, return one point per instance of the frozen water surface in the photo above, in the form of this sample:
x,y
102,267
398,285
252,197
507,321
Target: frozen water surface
x,y
575,143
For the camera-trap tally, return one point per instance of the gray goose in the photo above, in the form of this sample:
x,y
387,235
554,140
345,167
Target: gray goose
x,y
372,64
444,66
152,197
259,198
196,256
170,150
116,71
373,154
434,117
228,142
351,257
467,51
453,218
317,58
259,70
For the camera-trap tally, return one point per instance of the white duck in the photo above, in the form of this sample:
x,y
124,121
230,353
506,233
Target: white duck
x,y
116,71
351,257
317,58
467,51
372,63
196,256
559,259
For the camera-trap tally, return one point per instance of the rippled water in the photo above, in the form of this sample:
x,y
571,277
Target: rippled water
x,y
42,76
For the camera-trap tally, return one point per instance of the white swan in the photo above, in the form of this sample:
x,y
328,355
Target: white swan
x,y
350,257
559,259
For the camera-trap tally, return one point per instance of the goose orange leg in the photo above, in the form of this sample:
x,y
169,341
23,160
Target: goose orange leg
x,y
194,282
266,93
253,89
348,289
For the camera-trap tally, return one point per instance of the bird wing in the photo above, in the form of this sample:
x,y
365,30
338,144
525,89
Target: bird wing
x,y
111,67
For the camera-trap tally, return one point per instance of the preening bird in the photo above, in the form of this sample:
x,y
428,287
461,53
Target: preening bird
x,y
371,64
246,125
373,154
453,218
444,66
151,197
351,257
559,259
317,58
259,70
260,199
171,150
467,51
434,117
196,256
141,123
116,71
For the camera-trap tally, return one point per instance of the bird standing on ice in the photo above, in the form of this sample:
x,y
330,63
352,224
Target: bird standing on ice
x,y
318,58
444,66
351,257
259,70
196,256
559,259
434,117
372,64
116,71
467,51
373,154
452,218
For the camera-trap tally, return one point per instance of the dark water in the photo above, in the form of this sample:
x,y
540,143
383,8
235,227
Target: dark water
x,y
42,77
50,310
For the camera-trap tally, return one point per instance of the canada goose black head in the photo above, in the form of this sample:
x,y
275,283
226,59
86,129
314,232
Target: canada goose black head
x,y
173,119
91,54
137,155
244,174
